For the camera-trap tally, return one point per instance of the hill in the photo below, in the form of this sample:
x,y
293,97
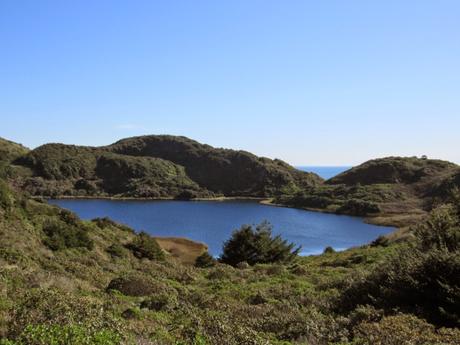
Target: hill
x,y
392,190
9,150
157,167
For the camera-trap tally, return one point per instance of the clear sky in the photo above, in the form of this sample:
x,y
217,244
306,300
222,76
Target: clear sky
x,y
310,82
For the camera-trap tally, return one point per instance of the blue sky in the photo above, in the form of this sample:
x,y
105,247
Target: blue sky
x,y
310,82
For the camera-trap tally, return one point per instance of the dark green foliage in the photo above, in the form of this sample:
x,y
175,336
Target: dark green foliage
x,y
358,207
257,246
116,250
9,150
205,260
328,250
6,199
160,301
382,241
64,335
107,222
61,235
391,170
423,278
132,286
145,246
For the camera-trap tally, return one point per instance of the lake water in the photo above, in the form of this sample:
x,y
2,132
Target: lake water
x,y
212,222
326,172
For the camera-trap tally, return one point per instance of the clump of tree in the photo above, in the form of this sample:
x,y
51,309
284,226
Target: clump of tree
x,y
423,278
257,245
205,260
66,232
358,207
145,246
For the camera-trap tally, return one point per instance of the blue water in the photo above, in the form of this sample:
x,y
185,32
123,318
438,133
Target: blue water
x,y
212,222
323,171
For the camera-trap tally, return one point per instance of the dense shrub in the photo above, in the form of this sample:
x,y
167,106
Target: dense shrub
x,y
328,250
64,335
160,301
105,222
61,235
116,250
6,200
145,246
423,278
132,286
357,207
205,260
257,246
403,329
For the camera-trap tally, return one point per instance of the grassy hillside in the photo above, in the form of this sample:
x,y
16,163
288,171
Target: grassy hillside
x,y
84,171
9,150
223,171
68,281
394,190
156,167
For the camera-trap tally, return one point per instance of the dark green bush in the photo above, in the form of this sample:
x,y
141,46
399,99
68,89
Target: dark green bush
x,y
145,246
328,250
423,278
161,301
6,200
116,250
205,260
64,335
257,246
357,207
132,286
381,241
60,235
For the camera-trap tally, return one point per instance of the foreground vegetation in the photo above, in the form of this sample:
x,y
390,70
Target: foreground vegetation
x,y
68,281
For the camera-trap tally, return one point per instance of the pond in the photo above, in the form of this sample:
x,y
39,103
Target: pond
x,y
212,222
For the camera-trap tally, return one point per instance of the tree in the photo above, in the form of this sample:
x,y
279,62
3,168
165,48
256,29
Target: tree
x,y
257,246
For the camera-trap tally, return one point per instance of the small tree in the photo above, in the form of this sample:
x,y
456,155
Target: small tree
x,y
205,260
257,246
145,246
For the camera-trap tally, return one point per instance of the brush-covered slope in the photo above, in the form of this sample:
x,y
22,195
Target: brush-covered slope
x,y
84,171
394,190
394,170
9,150
67,281
230,172
157,166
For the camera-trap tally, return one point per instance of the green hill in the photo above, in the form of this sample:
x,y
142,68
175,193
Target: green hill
x,y
9,150
156,167
393,190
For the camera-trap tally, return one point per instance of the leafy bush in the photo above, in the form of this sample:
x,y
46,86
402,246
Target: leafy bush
x,y
357,207
132,286
60,235
116,250
6,200
145,246
257,246
64,335
423,279
205,260
161,301
328,250
381,241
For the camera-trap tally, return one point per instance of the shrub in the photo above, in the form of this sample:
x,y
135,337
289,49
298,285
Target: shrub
x,y
328,250
358,207
60,235
161,301
132,286
257,246
205,260
381,241
423,279
62,335
145,246
116,250
5,195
